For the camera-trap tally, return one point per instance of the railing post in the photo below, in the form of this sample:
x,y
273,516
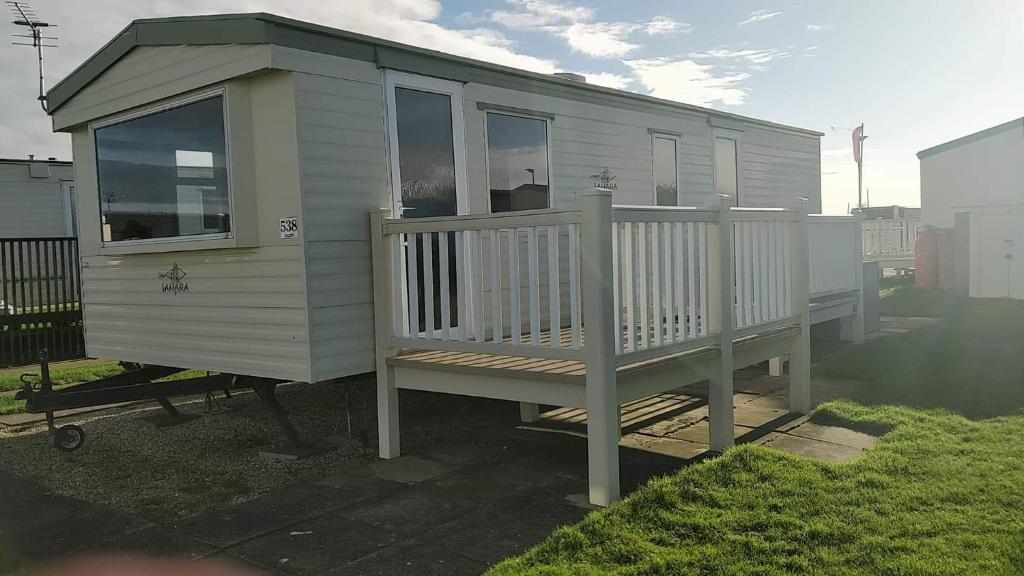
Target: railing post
x,y
383,323
800,355
599,346
722,307
858,320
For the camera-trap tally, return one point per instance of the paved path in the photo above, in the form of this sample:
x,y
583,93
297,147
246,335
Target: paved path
x,y
451,511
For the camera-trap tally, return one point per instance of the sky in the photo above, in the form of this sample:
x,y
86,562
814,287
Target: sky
x,y
916,73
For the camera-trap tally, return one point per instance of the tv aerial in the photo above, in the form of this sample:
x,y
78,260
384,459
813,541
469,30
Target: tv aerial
x,y
26,17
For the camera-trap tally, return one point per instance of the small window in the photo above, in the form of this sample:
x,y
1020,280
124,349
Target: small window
x,y
517,161
165,175
666,171
725,168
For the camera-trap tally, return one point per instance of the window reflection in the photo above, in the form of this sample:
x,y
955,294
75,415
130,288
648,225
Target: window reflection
x,y
165,174
426,153
666,172
517,162
725,168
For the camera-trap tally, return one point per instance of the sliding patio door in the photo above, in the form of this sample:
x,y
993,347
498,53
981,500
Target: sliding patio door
x,y
426,143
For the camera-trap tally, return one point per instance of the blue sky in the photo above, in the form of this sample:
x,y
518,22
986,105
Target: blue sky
x,y
916,73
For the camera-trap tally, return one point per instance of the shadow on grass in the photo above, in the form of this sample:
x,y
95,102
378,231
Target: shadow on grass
x,y
971,363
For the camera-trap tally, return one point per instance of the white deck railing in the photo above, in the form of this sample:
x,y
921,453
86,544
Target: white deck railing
x,y
660,263
890,238
500,283
835,256
763,265
510,283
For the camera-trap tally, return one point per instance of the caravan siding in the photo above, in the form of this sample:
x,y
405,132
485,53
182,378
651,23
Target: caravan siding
x,y
149,73
343,167
243,313
34,204
244,310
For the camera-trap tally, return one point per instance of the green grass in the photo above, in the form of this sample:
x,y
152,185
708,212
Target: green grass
x,y
971,362
899,297
941,493
66,376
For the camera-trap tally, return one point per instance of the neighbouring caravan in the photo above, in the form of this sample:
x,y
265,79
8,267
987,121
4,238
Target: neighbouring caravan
x,y
36,198
226,166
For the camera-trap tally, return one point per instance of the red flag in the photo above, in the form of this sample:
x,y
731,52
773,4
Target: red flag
x,y
858,142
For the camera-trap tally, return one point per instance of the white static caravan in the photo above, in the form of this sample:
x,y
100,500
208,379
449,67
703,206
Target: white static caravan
x,y
228,167
975,185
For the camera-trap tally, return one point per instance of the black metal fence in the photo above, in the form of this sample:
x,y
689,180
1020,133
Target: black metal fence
x,y
40,300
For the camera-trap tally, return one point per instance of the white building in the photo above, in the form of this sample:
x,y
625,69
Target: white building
x,y
36,198
975,185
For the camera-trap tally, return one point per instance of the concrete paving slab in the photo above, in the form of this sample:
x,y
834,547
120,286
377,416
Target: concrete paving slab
x,y
769,402
408,469
666,446
508,526
814,449
412,511
412,557
280,509
700,432
161,541
753,417
316,546
42,525
763,384
835,435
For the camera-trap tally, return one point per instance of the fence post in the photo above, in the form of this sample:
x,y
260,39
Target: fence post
x,y
383,322
722,303
599,347
858,320
800,355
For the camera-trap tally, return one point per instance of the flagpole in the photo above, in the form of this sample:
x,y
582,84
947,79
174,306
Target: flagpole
x,y
860,169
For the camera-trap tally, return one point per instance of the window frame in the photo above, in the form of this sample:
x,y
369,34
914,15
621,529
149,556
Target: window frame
x,y
677,137
142,112
515,113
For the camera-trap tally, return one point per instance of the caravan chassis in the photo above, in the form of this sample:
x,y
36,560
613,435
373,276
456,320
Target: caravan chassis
x,y
137,383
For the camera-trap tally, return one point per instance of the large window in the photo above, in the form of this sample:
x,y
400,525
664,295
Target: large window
x,y
666,171
165,175
517,162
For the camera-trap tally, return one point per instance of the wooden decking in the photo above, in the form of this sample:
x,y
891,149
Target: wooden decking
x,y
562,371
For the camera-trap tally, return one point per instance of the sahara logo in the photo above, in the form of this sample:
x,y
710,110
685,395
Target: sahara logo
x,y
174,280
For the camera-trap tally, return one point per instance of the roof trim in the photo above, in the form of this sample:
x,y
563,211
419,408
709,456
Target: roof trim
x,y
1018,123
262,28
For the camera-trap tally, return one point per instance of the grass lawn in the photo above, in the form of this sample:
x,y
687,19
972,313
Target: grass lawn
x,y
941,493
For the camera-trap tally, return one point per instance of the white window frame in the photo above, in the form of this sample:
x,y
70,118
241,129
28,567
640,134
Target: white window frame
x,y
149,111
547,156
393,80
737,138
677,137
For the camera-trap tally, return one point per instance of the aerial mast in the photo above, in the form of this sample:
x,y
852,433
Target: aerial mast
x,y
26,17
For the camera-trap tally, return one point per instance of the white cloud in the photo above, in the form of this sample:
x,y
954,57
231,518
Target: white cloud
x,y
665,26
760,16
600,39
817,27
572,23
688,81
753,56
530,14
607,79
